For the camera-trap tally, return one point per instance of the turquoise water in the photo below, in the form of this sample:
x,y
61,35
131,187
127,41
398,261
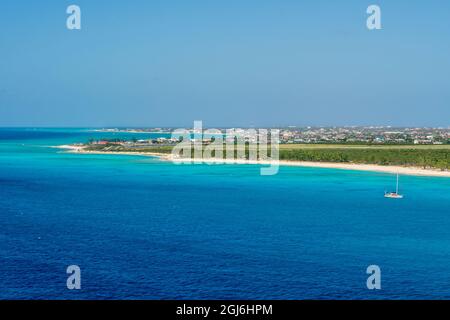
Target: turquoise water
x,y
140,228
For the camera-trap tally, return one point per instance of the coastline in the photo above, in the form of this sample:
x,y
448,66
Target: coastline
x,y
80,149
412,171
129,131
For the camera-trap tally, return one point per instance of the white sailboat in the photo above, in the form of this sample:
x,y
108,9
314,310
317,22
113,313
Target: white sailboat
x,y
393,195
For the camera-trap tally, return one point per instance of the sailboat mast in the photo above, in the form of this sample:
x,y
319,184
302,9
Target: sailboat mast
x,y
397,185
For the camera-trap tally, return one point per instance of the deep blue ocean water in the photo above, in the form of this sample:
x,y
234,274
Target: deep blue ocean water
x,y
140,228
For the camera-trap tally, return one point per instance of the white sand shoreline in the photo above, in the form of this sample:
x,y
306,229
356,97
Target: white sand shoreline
x,y
80,149
413,171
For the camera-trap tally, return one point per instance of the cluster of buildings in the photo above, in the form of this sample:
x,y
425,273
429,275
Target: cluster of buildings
x,y
136,142
305,135
367,135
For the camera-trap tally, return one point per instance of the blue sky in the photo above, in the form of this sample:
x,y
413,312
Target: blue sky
x,y
228,63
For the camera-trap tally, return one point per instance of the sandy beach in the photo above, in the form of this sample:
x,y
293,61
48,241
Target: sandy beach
x,y
81,149
413,171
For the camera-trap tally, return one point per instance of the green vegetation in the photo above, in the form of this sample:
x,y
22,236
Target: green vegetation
x,y
425,156
364,146
417,157
120,148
